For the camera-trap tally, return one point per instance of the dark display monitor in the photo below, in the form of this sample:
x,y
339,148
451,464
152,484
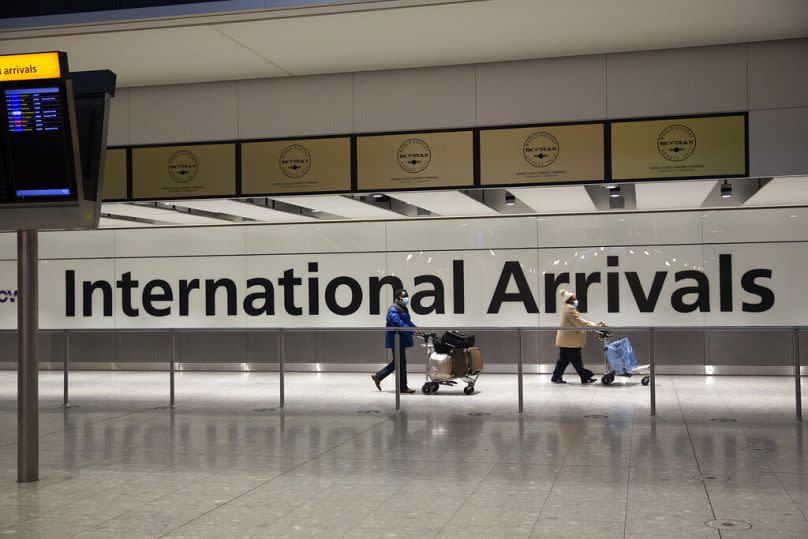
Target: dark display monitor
x,y
38,146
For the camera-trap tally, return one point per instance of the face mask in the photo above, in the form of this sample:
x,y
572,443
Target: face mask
x,y
405,301
575,303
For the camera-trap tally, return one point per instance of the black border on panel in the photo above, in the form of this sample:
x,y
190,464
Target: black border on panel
x,y
126,167
129,174
476,153
475,161
354,164
745,115
238,168
234,143
606,163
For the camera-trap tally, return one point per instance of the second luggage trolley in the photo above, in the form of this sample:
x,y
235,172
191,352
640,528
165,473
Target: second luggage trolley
x,y
620,359
452,358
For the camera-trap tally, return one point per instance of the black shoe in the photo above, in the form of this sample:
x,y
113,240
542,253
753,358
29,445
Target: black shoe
x,y
405,389
590,381
376,381
557,381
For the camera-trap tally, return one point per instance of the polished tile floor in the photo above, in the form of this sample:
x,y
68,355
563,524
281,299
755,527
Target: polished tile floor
x,y
339,462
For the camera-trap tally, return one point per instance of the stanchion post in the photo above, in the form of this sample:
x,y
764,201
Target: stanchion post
x,y
519,371
797,373
397,365
652,380
65,371
171,367
282,367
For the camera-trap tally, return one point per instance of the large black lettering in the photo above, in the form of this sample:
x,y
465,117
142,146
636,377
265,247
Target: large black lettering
x,y
613,285
288,282
582,284
87,296
70,293
702,291
437,304
765,294
459,286
512,269
551,284
331,296
211,286
267,295
126,284
185,294
648,303
150,296
725,282
376,284
314,290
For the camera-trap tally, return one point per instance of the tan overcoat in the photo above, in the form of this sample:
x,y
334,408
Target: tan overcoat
x,y
572,338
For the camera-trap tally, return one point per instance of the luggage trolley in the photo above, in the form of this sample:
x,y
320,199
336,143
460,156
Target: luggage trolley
x,y
450,359
620,359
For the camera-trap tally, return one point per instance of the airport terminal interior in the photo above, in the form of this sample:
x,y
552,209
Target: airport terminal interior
x,y
403,268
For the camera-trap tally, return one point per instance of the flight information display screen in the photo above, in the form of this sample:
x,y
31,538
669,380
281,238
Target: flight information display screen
x,y
38,147
34,110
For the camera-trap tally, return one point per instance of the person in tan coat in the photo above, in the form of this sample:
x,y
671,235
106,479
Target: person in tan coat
x,y
570,342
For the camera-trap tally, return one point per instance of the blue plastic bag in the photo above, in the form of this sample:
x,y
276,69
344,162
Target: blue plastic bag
x,y
620,356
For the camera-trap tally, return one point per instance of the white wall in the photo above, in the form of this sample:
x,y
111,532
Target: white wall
x,y
769,79
768,239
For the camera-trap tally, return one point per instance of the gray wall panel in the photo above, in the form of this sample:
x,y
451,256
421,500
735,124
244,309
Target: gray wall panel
x,y
414,99
144,348
212,347
552,90
749,348
677,81
778,142
92,347
778,77
262,347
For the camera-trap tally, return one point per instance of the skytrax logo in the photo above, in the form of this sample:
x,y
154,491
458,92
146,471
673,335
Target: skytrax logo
x,y
8,296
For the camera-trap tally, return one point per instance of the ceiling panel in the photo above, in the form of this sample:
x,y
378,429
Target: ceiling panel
x,y
107,222
341,206
159,214
366,36
672,195
242,209
449,203
564,199
155,56
784,191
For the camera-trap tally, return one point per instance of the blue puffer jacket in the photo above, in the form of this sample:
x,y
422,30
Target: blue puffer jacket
x,y
401,319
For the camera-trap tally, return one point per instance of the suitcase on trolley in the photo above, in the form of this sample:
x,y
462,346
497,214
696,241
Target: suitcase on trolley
x,y
475,360
459,363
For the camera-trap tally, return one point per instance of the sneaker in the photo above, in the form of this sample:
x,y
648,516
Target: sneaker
x,y
376,381
557,381
590,381
405,389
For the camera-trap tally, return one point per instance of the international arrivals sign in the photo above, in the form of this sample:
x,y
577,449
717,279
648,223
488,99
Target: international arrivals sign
x,y
665,286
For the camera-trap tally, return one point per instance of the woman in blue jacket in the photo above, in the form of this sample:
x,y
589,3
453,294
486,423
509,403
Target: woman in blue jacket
x,y
397,316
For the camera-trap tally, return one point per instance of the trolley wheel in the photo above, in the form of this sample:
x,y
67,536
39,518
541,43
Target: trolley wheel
x,y
426,389
435,387
645,380
468,390
607,379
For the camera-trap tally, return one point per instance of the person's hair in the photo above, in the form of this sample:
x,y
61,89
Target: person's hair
x,y
400,292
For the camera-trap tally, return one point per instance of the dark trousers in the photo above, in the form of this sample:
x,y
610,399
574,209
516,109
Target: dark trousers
x,y
567,356
390,367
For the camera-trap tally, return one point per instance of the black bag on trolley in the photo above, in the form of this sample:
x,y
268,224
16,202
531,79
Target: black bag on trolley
x,y
455,340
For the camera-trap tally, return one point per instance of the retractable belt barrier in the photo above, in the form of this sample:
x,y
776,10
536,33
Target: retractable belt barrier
x,y
174,334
